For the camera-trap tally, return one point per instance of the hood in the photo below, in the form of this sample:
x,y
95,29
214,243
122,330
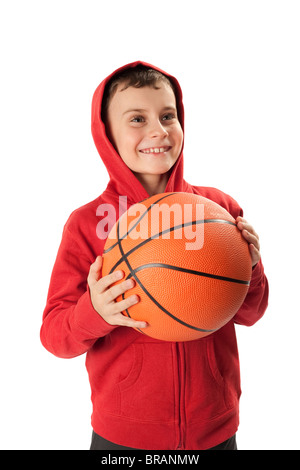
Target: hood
x,y
122,179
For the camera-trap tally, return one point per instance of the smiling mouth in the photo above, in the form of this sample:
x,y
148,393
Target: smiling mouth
x,y
156,150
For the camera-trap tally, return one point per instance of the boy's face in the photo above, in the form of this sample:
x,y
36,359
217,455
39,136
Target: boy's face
x,y
142,124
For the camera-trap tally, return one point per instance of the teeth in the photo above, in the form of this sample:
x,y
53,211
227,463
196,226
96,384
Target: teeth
x,y
155,150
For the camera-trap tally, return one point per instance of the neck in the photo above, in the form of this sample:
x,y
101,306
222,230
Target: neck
x,y
153,184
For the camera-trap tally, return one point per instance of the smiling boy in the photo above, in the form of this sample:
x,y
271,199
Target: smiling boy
x,y
147,394
142,124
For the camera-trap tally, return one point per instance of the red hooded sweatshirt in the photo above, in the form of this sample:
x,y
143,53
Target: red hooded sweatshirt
x,y
146,393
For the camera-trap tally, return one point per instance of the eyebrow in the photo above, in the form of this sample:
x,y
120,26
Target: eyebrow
x,y
135,110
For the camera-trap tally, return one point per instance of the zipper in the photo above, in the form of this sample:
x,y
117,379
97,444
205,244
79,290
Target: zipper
x,y
180,372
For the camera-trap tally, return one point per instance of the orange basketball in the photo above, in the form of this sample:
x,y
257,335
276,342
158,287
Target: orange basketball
x,y
191,265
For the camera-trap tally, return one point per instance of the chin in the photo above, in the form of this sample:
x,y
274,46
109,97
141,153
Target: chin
x,y
161,167
160,171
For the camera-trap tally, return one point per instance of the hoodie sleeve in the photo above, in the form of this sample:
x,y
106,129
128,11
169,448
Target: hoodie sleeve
x,y
70,324
256,301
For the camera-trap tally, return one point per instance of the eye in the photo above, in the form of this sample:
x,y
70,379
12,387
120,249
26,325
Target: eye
x,y
137,119
168,117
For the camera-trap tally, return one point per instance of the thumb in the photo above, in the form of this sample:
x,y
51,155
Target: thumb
x,y
95,271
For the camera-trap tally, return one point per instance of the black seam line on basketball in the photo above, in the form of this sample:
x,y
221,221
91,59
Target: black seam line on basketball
x,y
132,274
128,314
191,271
192,327
138,221
169,230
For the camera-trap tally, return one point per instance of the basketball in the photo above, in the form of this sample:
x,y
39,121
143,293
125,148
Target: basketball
x,y
191,265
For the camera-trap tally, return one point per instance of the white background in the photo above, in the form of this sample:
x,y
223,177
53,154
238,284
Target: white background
x,y
238,64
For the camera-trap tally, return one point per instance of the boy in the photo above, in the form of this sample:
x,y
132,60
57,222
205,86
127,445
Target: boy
x,y
146,394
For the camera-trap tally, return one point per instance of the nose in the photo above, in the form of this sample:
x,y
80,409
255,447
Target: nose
x,y
157,130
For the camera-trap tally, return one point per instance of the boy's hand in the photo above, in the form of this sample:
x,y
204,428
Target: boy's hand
x,y
103,296
251,237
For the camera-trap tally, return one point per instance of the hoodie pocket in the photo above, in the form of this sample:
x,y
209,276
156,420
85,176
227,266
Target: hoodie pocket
x,y
147,393
212,361
205,393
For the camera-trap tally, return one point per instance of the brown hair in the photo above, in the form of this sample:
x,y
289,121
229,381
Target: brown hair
x,y
138,77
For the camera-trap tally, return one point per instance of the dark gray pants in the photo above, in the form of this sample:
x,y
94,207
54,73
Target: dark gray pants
x,y
99,443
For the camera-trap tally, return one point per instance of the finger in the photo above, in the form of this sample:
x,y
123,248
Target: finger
x,y
248,227
118,290
240,219
251,238
122,305
95,271
105,282
255,254
122,320
241,223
